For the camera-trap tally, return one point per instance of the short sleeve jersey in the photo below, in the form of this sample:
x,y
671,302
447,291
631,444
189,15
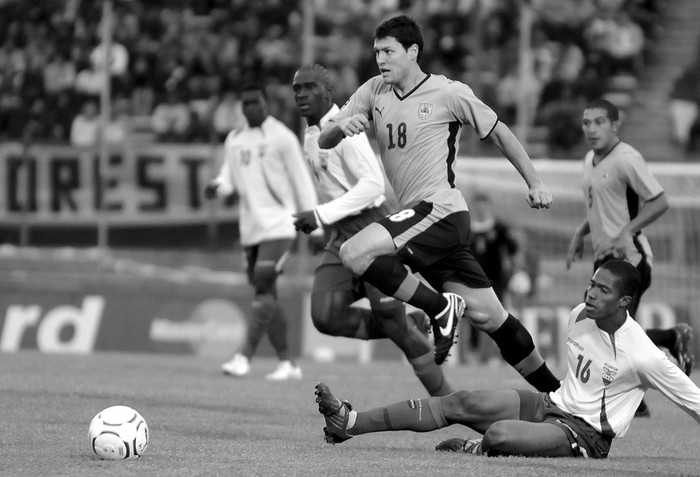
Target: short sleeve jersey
x,y
607,375
614,190
418,133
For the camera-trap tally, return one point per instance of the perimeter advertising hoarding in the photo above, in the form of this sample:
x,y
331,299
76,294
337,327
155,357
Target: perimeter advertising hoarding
x,y
133,314
148,184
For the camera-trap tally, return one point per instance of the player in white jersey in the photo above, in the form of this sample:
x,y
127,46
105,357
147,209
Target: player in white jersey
x,y
351,190
622,197
417,119
611,363
264,164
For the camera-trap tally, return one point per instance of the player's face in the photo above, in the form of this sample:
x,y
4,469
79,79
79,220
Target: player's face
x,y
254,107
600,131
310,96
393,60
603,298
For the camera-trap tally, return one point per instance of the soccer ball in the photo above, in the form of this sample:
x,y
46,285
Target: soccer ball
x,y
118,433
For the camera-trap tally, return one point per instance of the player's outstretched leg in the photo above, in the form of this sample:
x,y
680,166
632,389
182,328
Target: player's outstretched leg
x,y
336,414
445,325
681,349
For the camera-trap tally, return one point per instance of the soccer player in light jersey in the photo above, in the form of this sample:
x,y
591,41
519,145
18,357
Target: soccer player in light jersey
x,y
417,118
264,163
351,190
622,197
610,364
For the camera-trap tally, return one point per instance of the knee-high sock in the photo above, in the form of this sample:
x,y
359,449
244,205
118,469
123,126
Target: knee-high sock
x,y
518,349
420,415
391,277
277,331
258,323
431,375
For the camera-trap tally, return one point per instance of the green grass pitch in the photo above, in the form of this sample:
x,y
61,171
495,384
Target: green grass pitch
x,y
204,423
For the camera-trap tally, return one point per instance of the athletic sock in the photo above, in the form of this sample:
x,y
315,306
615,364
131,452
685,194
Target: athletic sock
x,y
258,323
277,331
420,415
389,275
431,375
518,349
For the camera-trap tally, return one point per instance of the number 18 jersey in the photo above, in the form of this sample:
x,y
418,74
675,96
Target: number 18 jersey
x,y
418,134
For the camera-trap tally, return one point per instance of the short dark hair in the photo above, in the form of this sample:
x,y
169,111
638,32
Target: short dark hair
x,y
611,111
254,86
404,29
322,72
626,275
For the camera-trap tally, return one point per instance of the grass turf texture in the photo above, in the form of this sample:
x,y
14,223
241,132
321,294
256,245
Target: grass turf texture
x,y
204,423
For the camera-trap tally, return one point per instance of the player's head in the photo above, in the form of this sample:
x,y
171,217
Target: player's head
x,y
398,46
313,91
254,103
611,289
601,123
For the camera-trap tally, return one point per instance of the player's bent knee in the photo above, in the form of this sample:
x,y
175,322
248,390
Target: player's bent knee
x,y
479,319
264,278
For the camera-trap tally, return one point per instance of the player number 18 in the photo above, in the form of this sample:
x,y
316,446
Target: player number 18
x,y
400,135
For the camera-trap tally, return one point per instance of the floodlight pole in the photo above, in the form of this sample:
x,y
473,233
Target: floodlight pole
x,y
523,113
105,114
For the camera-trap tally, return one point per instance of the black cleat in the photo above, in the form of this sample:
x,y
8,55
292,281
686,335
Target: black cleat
x,y
335,412
445,326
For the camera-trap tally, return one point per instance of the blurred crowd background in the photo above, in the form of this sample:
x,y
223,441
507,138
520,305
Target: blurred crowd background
x,y
176,65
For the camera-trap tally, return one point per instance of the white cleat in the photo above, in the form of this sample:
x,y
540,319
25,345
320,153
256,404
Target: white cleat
x,y
285,370
239,366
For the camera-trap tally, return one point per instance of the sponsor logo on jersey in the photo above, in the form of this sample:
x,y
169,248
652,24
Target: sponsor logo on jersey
x,y
424,110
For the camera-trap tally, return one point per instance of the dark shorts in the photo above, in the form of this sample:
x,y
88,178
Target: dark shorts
x,y
585,441
330,274
274,251
436,245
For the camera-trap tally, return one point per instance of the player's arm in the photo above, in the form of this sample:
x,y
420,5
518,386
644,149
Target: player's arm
x,y
364,171
576,245
658,372
298,171
338,129
652,210
539,195
222,185
352,119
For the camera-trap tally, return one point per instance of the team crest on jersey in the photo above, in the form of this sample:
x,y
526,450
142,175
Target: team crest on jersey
x,y
424,110
609,373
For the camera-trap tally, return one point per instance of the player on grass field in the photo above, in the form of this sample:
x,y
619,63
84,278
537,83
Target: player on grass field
x,y
610,364
417,119
351,190
622,197
264,163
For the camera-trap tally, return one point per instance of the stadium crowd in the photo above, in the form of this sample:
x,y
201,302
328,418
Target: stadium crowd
x,y
176,65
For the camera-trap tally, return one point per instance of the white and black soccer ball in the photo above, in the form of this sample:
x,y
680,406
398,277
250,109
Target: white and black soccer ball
x,y
118,433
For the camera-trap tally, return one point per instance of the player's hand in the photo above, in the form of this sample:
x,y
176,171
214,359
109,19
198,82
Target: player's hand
x,y
619,246
539,196
305,221
210,190
317,243
575,250
355,124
